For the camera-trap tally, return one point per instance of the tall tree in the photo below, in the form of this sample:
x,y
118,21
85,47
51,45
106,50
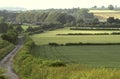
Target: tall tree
x,y
102,7
10,36
3,27
19,28
110,19
95,7
110,7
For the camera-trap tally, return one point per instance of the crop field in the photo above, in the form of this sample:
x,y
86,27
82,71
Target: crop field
x,y
50,36
104,14
95,55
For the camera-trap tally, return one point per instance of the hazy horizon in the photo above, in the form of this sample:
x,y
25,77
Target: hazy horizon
x,y
46,4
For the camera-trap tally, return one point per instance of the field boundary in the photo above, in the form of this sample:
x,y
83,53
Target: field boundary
x,y
92,28
80,43
114,33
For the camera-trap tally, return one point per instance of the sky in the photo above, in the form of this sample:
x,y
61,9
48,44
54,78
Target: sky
x,y
46,4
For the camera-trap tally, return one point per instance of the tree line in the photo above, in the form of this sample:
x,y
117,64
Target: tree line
x,y
109,7
10,32
61,16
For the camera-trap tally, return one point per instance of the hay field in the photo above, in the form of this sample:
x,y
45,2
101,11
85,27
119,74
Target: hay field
x,y
104,14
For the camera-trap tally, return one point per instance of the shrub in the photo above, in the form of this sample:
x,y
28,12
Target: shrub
x,y
115,33
2,77
57,64
53,44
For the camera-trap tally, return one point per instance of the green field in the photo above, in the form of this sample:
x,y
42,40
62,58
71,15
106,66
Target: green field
x,y
26,26
103,56
50,36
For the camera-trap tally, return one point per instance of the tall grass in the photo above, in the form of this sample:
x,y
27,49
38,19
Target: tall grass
x,y
74,72
2,76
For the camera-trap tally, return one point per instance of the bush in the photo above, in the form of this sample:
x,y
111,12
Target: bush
x,y
5,48
115,33
2,77
57,64
70,44
10,36
53,63
53,44
2,71
85,34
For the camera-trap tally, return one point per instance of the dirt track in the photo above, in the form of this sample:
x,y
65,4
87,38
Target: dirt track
x,y
7,64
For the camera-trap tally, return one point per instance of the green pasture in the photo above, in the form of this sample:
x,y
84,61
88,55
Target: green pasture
x,y
93,55
50,36
26,26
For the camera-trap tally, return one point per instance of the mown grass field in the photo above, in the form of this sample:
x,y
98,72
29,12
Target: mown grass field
x,y
104,14
50,36
93,55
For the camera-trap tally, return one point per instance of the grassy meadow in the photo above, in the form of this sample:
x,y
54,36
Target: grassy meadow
x,y
24,27
104,14
50,36
96,56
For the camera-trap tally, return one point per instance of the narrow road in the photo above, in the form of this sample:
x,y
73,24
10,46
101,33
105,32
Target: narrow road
x,y
7,63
